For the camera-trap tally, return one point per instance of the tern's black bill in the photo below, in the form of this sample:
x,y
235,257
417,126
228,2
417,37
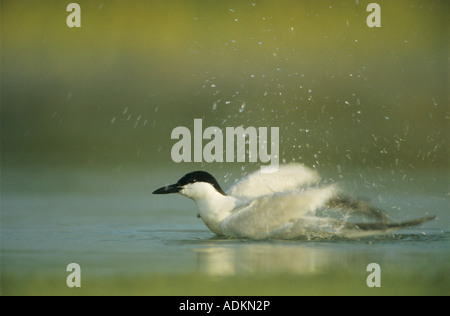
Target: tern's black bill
x,y
168,189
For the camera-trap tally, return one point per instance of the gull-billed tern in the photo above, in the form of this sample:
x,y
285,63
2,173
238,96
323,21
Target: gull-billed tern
x,y
286,204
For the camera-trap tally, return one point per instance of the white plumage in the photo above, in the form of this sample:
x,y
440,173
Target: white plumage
x,y
286,204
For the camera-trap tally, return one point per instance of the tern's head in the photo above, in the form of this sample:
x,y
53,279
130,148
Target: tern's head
x,y
195,185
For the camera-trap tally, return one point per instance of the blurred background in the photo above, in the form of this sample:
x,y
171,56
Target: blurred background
x,y
87,115
111,91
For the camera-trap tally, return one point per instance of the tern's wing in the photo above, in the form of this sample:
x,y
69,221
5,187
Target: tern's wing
x,y
268,214
353,230
319,227
287,178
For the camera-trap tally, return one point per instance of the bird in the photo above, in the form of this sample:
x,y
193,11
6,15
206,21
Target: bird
x,y
289,203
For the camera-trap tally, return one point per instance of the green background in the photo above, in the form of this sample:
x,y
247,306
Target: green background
x,y
111,91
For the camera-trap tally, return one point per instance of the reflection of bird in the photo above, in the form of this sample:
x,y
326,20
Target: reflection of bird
x,y
286,204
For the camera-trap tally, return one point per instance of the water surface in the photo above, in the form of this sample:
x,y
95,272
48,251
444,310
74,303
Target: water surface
x,y
127,241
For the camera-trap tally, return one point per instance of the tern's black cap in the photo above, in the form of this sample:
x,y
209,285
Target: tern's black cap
x,y
193,177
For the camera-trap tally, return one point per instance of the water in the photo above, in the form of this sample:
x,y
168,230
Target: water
x,y
127,241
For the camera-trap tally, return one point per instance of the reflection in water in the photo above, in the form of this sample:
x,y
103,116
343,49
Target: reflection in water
x,y
338,256
257,259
